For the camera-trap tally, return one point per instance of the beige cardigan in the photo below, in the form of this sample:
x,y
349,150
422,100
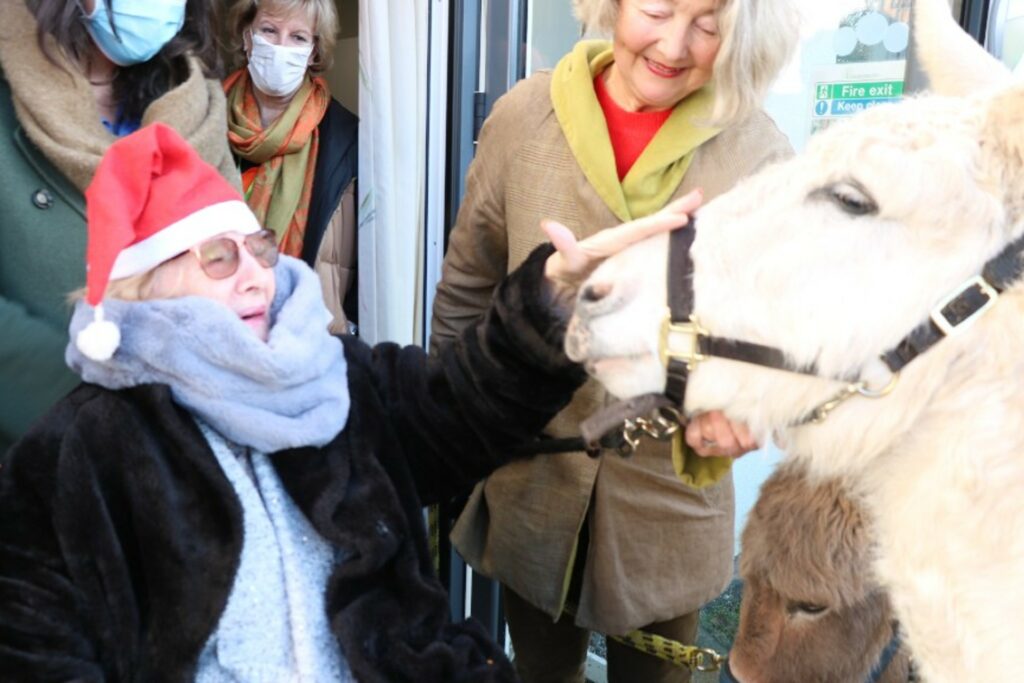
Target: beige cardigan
x,y
658,549
336,259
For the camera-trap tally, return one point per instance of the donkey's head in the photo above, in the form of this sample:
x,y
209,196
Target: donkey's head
x,y
811,610
834,256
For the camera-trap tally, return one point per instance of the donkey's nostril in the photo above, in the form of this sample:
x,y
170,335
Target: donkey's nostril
x,y
595,292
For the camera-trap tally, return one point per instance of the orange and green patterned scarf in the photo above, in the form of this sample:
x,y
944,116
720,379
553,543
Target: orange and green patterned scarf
x,y
279,187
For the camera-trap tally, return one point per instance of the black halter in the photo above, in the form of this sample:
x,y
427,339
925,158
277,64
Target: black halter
x,y
887,657
684,344
681,329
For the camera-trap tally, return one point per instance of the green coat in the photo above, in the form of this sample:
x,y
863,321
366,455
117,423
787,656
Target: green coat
x,y
51,140
47,158
41,208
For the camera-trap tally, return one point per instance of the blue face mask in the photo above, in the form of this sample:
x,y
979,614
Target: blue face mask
x,y
143,28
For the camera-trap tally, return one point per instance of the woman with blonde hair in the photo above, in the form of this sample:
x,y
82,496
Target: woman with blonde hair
x,y
296,145
617,130
234,494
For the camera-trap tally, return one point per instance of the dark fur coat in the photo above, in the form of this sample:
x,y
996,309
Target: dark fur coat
x,y
120,535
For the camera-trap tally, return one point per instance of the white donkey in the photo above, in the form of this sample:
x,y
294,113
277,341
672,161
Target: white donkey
x,y
833,258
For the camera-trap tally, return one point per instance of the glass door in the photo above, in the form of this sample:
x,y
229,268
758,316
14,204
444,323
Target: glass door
x,y
551,31
1005,35
485,56
851,56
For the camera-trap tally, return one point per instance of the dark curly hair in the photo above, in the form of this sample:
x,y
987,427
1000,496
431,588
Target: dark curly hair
x,y
135,87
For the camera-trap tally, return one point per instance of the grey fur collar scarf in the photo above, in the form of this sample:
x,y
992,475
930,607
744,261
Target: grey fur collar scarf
x,y
289,392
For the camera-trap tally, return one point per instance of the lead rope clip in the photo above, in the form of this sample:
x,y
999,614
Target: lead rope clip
x,y
661,425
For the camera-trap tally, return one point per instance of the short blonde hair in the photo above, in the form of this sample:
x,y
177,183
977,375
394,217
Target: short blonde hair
x,y
758,37
323,13
133,288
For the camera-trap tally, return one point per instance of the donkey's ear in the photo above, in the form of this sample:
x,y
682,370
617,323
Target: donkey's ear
x,y
1002,144
954,63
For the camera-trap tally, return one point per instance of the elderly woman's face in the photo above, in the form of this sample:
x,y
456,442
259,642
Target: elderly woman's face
x,y
664,51
287,29
248,291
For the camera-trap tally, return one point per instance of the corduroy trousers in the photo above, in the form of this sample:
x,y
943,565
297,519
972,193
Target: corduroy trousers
x,y
556,652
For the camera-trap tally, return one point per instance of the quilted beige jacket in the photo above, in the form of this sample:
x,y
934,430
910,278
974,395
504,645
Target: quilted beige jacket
x,y
658,549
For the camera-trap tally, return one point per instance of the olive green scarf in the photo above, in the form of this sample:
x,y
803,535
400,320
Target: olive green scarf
x,y
659,170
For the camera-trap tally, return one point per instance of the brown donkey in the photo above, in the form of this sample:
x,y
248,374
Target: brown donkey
x,y
811,610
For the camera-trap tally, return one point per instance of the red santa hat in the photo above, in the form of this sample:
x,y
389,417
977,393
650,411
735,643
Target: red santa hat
x,y
152,198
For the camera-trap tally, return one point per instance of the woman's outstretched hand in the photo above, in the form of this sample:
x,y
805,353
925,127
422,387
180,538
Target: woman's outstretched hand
x,y
573,261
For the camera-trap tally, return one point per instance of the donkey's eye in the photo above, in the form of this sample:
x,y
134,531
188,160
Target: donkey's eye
x,y
851,198
805,608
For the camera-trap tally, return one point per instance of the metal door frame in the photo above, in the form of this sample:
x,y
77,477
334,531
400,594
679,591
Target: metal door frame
x,y
501,32
974,17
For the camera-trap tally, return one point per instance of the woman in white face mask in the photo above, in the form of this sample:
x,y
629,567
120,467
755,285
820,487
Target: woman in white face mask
x,y
75,75
295,144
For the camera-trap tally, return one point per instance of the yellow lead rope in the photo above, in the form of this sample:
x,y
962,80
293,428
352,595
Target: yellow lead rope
x,y
686,656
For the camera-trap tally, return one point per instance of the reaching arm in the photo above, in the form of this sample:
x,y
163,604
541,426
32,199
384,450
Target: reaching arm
x,y
460,413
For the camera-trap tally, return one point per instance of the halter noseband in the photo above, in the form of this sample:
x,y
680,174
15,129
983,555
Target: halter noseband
x,y
684,343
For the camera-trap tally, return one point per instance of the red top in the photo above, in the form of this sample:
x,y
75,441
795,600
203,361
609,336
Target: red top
x,y
630,131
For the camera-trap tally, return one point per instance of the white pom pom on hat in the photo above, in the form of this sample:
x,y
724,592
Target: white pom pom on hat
x,y
100,338
152,197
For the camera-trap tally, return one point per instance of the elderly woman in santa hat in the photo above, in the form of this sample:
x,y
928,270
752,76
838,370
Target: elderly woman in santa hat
x,y
233,494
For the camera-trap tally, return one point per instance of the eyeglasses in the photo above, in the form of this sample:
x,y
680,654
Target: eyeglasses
x,y
218,257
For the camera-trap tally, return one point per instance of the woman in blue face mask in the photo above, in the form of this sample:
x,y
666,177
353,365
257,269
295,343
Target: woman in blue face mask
x,y
74,76
295,144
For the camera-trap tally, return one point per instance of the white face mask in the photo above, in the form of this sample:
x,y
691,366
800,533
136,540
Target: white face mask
x,y
277,70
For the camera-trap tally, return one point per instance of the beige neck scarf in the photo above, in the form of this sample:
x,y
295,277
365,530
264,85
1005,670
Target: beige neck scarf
x,y
56,106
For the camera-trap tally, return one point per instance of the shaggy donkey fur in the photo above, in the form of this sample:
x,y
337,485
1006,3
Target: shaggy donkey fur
x,y
811,609
833,257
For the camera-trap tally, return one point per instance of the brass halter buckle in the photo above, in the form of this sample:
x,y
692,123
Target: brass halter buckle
x,y
681,341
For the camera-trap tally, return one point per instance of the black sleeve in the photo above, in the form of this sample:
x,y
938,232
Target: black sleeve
x,y
460,414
